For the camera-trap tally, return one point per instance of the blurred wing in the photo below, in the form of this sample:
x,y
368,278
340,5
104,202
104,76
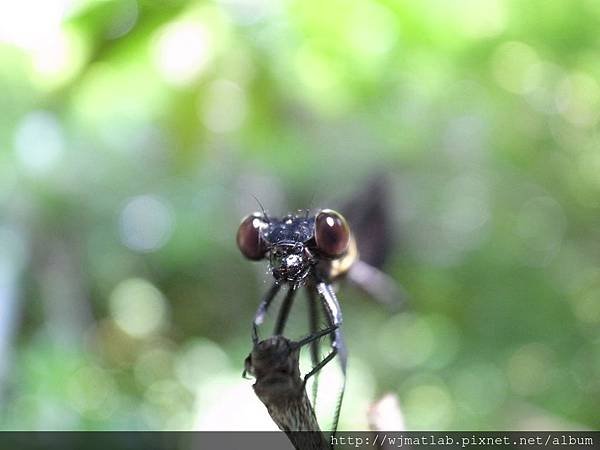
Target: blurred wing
x,y
369,215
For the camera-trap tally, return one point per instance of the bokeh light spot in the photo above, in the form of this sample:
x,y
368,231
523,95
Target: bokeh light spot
x,y
446,340
428,407
529,369
198,360
182,51
482,18
124,20
544,80
91,390
578,99
480,388
224,108
153,365
39,142
138,308
410,337
587,307
60,58
541,224
146,223
364,17
247,12
515,67
29,24
465,211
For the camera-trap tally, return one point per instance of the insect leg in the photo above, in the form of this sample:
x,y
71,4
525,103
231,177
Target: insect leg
x,y
312,337
284,311
320,365
313,320
262,310
333,313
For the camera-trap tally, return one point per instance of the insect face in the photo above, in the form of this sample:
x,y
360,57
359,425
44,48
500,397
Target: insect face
x,y
290,261
293,244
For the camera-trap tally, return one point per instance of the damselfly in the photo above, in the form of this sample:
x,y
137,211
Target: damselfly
x,y
312,251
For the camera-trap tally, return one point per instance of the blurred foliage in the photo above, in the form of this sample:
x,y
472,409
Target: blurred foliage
x,y
134,134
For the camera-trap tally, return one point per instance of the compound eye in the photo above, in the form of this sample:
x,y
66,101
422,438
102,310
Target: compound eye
x,y
332,233
249,238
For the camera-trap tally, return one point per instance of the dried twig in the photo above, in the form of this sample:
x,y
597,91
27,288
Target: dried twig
x,y
274,364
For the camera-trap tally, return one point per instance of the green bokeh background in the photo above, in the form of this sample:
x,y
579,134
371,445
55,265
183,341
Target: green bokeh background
x,y
133,135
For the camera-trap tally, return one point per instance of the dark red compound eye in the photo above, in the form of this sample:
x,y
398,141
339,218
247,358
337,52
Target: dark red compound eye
x,y
249,239
332,233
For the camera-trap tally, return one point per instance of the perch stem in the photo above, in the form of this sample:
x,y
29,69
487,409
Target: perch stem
x,y
274,362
